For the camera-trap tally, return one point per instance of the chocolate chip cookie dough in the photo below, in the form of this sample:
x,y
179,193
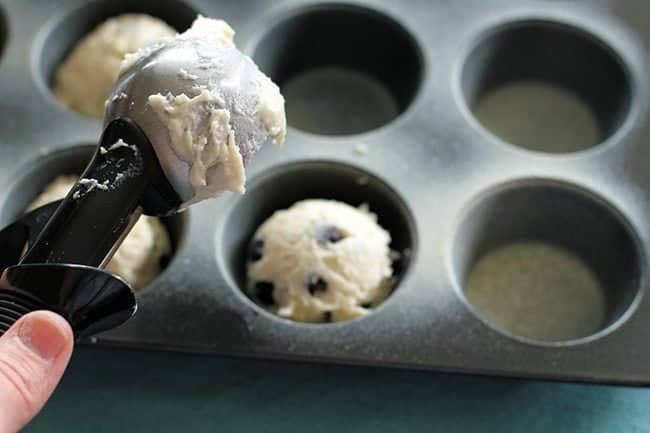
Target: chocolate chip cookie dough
x,y
320,261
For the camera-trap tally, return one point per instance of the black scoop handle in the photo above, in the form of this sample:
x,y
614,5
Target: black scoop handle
x,y
70,239
90,299
123,178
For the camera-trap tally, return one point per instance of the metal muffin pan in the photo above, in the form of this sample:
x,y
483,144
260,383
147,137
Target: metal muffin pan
x,y
444,187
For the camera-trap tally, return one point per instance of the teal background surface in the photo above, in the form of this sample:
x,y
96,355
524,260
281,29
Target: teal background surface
x,y
109,390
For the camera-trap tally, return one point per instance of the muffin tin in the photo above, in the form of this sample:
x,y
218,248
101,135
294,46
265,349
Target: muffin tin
x,y
446,189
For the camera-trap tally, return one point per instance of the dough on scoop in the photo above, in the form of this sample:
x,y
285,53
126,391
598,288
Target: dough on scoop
x,y
85,78
215,105
138,258
320,261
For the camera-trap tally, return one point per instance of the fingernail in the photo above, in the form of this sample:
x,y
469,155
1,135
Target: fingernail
x,y
43,333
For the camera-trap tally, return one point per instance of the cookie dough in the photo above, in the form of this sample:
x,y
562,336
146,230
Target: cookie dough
x,y
320,261
537,290
85,78
138,260
227,108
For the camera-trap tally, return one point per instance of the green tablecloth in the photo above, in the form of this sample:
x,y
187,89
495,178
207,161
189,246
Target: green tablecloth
x,y
132,391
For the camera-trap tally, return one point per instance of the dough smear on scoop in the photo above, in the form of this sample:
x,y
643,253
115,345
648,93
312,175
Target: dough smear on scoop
x,y
215,108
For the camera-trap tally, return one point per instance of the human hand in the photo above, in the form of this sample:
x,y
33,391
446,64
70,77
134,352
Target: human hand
x,y
34,352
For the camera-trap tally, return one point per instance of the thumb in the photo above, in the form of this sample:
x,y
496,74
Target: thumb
x,y
33,355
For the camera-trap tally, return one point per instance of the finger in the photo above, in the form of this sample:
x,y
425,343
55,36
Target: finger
x,y
33,355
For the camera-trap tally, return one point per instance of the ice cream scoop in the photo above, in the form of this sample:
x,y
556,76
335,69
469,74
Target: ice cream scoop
x,y
185,115
203,104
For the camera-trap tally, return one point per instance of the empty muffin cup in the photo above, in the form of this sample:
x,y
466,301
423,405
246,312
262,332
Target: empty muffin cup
x,y
52,174
323,230
546,86
336,66
547,262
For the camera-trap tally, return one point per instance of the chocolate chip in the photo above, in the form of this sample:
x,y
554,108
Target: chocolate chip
x,y
366,305
264,292
164,261
315,284
327,317
329,234
256,250
398,266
